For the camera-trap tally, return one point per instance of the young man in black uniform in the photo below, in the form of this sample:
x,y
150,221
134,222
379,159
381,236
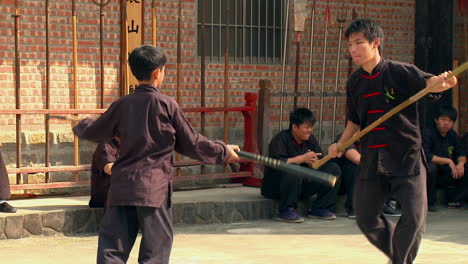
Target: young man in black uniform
x,y
391,162
298,145
447,160
151,127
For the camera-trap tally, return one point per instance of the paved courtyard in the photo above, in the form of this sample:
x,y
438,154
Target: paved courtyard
x,y
260,242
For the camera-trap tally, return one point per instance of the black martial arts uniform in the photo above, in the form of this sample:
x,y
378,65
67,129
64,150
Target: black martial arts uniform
x,y
151,126
392,161
100,181
451,147
290,188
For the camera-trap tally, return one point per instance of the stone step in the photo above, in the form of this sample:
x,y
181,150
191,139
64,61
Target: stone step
x,y
71,215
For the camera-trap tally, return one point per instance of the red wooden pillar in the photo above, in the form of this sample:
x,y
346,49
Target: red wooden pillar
x,y
250,138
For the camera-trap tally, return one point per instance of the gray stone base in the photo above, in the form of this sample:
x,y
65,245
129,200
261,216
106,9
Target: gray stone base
x,y
197,207
189,208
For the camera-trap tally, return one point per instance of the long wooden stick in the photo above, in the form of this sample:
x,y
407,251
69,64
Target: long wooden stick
x,y
341,19
47,87
203,74
456,99
75,85
101,5
179,69
389,114
311,52
226,75
295,169
283,74
18,90
153,23
324,62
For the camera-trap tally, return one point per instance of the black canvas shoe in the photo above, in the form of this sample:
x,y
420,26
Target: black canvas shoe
x,y
390,210
7,208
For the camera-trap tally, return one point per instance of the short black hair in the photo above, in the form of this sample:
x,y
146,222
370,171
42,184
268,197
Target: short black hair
x,y
144,60
371,30
447,110
300,116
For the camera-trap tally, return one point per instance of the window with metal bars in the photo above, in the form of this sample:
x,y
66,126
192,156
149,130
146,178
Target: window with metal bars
x,y
255,30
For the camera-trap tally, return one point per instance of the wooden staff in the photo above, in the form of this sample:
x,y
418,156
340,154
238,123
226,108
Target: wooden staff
x,y
303,172
47,87
203,73
75,85
17,90
124,49
456,100
389,114
179,69
322,88
298,62
101,5
354,16
226,75
153,22
340,20
311,52
300,15
179,53
283,75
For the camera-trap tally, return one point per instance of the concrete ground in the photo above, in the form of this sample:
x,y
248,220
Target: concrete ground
x,y
260,242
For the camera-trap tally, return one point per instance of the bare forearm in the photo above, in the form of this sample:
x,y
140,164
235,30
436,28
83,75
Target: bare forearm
x,y
296,160
354,156
461,160
440,160
350,129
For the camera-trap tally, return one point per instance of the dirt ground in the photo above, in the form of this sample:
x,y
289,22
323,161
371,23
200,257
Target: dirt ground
x,y
261,242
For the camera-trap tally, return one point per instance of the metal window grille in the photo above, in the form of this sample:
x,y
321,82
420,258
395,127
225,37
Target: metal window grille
x,y
255,30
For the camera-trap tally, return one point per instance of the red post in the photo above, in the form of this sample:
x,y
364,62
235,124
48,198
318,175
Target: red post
x,y
250,137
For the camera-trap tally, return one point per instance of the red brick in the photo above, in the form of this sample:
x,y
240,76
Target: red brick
x,y
395,16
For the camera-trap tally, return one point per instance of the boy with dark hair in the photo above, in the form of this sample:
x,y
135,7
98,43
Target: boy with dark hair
x,y
391,163
5,194
298,145
151,127
447,160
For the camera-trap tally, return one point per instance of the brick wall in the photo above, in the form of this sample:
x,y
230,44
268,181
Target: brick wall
x,y
396,17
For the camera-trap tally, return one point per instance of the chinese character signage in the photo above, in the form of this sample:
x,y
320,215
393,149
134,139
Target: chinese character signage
x,y
134,32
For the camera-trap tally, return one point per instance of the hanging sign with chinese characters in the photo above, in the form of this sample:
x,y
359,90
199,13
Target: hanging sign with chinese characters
x,y
134,32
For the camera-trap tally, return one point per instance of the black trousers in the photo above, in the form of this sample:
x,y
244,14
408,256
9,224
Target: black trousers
x,y
441,176
293,188
348,176
399,242
119,229
100,184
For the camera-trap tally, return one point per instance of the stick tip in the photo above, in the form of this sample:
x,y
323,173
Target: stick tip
x,y
333,181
